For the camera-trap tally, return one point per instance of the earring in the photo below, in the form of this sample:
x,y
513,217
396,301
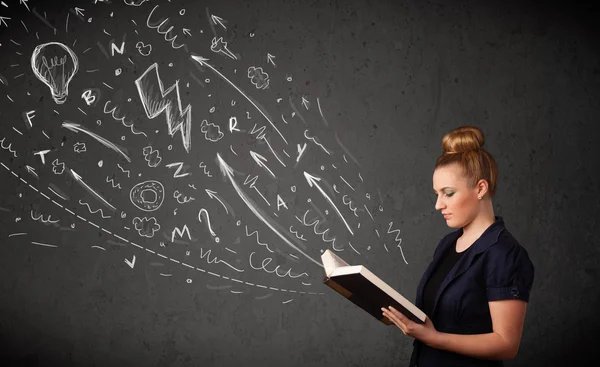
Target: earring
x,y
479,197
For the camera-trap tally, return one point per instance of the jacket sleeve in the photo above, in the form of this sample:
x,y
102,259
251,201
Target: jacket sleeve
x,y
509,272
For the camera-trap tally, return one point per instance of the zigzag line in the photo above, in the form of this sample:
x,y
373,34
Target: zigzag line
x,y
90,210
112,182
257,240
122,170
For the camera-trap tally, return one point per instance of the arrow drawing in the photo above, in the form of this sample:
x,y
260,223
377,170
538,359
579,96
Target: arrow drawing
x,y
259,159
213,195
76,128
31,170
270,59
90,190
305,102
24,2
130,263
272,224
3,20
79,11
202,61
187,32
217,20
312,181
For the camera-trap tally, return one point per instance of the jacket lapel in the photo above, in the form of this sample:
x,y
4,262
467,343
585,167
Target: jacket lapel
x,y
487,238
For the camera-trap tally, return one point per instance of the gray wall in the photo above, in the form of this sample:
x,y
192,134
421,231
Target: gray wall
x,y
384,81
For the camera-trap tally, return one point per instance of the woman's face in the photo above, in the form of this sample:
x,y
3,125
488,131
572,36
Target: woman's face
x,y
458,203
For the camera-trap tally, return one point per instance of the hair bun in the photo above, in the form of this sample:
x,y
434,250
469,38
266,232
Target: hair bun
x,y
463,139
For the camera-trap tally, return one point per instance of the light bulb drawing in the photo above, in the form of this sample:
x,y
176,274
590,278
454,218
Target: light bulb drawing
x,y
55,64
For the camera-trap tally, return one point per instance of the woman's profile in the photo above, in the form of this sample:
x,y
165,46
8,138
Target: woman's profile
x,y
476,288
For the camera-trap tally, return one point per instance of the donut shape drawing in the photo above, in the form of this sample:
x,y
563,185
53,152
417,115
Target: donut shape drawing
x,y
138,195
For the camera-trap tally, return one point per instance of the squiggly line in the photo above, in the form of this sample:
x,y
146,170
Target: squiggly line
x,y
206,172
41,218
397,239
8,147
122,170
112,182
267,261
296,234
322,234
216,260
93,212
257,240
314,141
164,33
151,251
186,199
349,204
122,119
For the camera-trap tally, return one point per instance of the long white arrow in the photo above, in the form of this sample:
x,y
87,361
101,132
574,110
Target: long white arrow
x,y
259,159
203,62
217,20
32,171
76,128
312,181
24,2
89,189
212,194
228,172
79,11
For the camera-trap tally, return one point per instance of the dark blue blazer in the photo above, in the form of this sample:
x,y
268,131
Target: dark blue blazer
x,y
495,267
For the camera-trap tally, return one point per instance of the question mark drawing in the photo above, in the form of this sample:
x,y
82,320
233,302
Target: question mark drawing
x,y
217,240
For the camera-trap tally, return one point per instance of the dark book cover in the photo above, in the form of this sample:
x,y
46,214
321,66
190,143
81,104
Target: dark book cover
x,y
366,295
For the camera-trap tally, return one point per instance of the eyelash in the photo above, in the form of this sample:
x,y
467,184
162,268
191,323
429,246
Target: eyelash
x,y
448,195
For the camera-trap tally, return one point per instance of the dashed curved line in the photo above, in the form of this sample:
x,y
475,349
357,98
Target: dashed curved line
x,y
94,212
156,253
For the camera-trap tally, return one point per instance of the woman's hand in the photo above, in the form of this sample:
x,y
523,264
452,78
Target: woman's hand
x,y
424,332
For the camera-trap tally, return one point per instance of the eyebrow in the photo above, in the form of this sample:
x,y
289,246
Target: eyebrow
x,y
443,188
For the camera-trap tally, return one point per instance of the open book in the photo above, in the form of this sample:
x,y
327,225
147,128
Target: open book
x,y
366,290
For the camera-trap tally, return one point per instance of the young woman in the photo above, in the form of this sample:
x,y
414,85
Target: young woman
x,y
476,288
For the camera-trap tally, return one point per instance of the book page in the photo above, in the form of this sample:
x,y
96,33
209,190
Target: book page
x,y
331,261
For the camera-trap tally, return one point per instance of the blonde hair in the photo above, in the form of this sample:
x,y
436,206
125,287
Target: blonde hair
x,y
463,147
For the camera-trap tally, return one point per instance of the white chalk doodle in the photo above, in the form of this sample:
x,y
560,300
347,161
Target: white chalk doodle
x,y
78,128
134,2
312,138
178,169
113,112
181,198
140,192
151,156
211,131
41,219
258,77
217,45
158,27
180,232
313,181
258,212
207,218
57,70
157,100
8,147
90,190
216,20
58,167
83,203
143,49
130,263
260,161
270,60
203,166
213,195
112,182
31,171
79,147
146,227
123,170
267,261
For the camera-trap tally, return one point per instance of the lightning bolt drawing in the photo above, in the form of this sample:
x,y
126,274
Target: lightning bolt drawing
x,y
157,100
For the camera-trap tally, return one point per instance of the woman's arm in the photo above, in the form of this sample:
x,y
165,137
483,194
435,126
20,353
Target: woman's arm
x,y
508,317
